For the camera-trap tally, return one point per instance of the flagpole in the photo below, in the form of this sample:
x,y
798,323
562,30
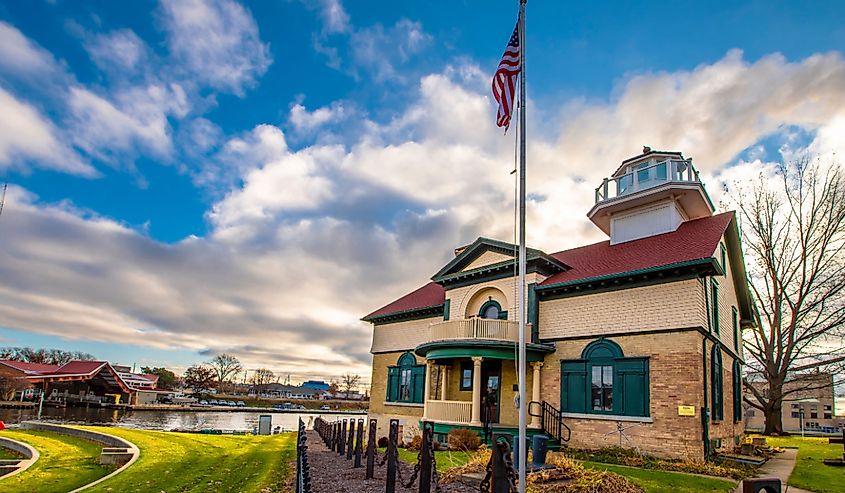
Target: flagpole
x,y
521,296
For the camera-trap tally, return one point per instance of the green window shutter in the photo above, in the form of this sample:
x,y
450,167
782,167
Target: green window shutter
x,y
392,384
534,312
717,391
446,306
735,320
724,258
418,384
714,293
573,389
737,391
631,395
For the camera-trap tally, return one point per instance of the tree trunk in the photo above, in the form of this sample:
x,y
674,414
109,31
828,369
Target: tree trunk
x,y
774,422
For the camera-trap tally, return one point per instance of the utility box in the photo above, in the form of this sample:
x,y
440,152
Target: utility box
x,y
265,424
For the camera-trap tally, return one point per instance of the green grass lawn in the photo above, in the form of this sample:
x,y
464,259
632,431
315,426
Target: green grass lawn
x,y
9,454
446,459
653,481
189,462
66,463
810,473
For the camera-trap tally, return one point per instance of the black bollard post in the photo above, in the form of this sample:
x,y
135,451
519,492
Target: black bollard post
x,y
426,456
501,444
341,448
350,440
336,447
392,438
358,445
333,434
371,448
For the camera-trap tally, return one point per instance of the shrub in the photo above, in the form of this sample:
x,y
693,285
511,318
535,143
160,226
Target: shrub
x,y
382,442
463,439
415,443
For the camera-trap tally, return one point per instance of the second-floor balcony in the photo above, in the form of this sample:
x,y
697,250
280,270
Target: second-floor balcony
x,y
478,328
646,177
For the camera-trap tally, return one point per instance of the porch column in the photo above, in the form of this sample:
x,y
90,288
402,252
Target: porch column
x,y
535,394
427,387
444,382
476,390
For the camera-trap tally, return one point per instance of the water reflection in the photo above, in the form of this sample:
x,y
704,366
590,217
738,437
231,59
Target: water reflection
x,y
164,420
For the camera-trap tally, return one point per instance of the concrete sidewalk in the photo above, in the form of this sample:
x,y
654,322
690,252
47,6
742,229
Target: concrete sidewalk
x,y
780,466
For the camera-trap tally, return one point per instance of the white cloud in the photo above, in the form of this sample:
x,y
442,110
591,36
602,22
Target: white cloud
x,y
379,51
217,42
120,50
334,16
27,136
103,128
308,240
20,56
309,121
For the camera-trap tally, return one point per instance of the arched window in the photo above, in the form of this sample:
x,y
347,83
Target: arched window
x,y
493,310
717,391
406,380
604,381
737,394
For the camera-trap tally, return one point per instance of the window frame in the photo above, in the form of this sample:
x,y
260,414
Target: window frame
x,y
630,380
466,366
503,314
735,321
715,327
407,391
737,391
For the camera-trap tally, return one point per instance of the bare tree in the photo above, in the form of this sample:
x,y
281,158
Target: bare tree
x,y
226,367
199,378
10,385
262,376
349,382
793,230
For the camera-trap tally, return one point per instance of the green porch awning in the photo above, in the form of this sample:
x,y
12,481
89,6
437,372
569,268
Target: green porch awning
x,y
467,348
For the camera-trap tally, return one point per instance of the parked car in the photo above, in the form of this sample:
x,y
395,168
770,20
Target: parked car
x,y
241,404
324,408
214,402
203,403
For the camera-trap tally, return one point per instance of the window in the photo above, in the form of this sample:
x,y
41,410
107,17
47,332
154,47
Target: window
x,y
466,375
493,310
603,381
795,406
406,380
717,391
796,415
737,391
814,414
714,303
828,415
735,320
724,255
602,388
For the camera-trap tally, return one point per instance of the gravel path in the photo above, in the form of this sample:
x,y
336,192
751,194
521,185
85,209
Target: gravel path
x,y
332,473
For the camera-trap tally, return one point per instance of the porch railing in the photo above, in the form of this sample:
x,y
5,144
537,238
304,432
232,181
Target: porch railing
x,y
647,177
478,328
452,411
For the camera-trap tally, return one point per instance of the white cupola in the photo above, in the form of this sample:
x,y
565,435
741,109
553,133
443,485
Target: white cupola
x,y
649,194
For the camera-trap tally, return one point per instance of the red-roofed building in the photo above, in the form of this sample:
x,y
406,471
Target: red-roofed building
x,y
643,329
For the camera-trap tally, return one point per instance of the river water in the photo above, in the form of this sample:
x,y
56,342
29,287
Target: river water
x,y
166,419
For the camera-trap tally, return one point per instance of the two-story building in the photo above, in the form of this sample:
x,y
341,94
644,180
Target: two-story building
x,y
635,340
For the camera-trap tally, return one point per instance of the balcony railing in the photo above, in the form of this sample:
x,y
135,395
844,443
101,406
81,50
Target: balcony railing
x,y
450,411
478,328
647,177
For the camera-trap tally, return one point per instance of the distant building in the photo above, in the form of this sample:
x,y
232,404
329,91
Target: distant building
x,y
141,381
282,391
815,404
316,384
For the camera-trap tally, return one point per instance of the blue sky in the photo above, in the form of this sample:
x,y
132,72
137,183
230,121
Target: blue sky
x,y
205,175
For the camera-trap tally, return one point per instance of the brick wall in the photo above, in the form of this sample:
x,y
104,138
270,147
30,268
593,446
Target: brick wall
x,y
408,415
401,336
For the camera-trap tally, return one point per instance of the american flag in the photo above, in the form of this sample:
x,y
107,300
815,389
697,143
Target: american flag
x,y
504,82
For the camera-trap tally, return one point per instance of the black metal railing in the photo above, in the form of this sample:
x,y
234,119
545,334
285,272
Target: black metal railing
x,y
551,421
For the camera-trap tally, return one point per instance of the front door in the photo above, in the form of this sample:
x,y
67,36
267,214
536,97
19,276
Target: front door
x,y
491,380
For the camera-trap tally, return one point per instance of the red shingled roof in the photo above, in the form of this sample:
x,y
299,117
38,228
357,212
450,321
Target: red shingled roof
x,y
693,240
80,367
29,368
432,294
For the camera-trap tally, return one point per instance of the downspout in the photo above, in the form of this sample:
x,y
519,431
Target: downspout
x,y
705,412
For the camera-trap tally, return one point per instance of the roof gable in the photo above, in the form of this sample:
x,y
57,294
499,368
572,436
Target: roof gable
x,y
460,265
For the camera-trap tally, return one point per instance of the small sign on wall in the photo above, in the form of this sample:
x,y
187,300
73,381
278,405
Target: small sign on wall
x,y
686,410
